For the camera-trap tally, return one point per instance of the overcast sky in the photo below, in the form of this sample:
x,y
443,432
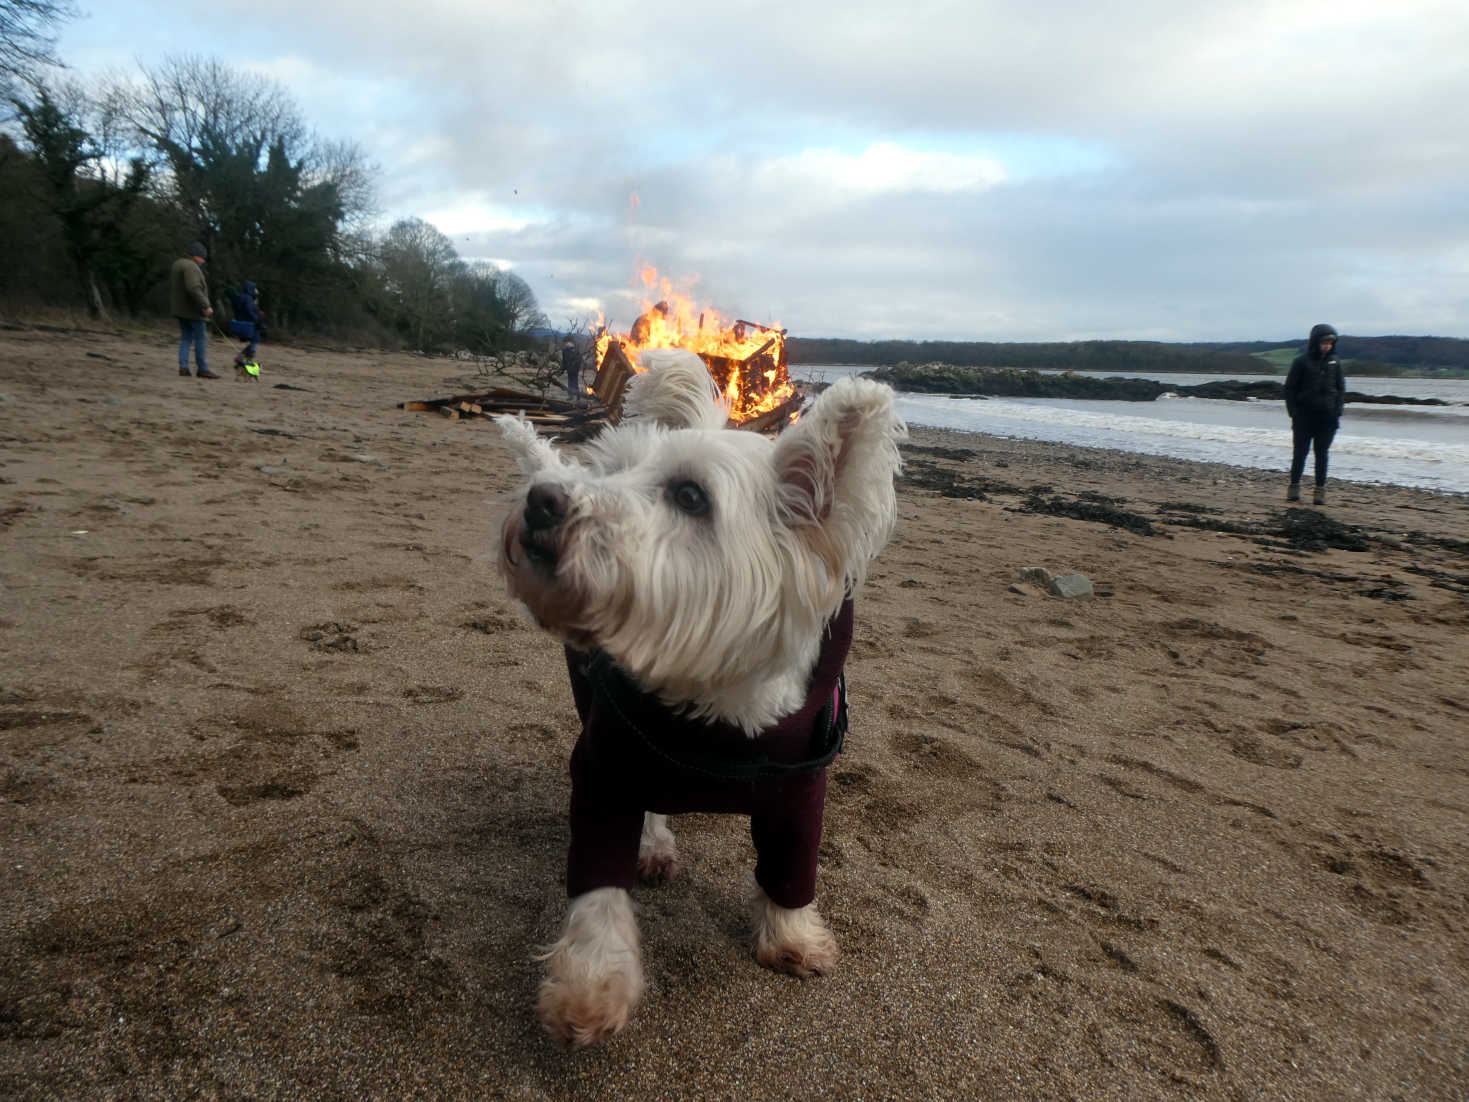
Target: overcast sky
x,y
1006,170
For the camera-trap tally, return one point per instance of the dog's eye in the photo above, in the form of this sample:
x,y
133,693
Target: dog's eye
x,y
690,498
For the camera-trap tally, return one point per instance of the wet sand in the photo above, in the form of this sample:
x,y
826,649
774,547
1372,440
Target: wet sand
x,y
283,785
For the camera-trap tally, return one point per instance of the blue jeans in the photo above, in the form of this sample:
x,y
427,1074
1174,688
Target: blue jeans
x,y
193,332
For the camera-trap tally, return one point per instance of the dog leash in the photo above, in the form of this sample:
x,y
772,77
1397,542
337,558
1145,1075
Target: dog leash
x,y
617,689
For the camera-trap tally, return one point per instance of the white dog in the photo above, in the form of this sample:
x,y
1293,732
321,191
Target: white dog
x,y
702,580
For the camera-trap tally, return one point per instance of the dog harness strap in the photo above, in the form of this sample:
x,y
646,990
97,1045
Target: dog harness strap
x,y
750,762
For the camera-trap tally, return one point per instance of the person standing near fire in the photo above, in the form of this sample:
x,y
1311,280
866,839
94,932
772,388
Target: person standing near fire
x,y
571,364
1315,391
189,302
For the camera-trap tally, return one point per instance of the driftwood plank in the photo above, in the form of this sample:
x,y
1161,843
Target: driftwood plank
x,y
578,419
435,403
776,417
518,395
499,396
611,381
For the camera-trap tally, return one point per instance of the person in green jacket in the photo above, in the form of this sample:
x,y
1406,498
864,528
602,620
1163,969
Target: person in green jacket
x,y
189,301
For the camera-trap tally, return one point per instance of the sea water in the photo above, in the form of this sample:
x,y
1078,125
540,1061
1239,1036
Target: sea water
x,y
1426,446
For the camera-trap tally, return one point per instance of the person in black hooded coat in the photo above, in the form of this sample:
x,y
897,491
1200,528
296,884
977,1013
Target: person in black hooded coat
x,y
1315,391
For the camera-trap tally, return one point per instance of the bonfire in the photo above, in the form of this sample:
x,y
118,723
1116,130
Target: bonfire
x,y
746,359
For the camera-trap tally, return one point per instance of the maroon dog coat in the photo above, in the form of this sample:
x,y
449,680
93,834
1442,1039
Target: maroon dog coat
x,y
636,755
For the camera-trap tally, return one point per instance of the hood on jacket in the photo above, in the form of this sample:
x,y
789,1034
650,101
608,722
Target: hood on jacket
x,y
1318,334
250,290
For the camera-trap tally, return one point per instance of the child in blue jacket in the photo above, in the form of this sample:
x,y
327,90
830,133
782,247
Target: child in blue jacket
x,y
248,323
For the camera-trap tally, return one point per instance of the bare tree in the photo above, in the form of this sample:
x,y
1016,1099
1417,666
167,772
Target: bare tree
x,y
27,37
522,310
195,112
345,168
270,200
419,266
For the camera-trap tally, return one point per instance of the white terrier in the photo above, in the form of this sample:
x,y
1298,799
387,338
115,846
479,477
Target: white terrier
x,y
702,582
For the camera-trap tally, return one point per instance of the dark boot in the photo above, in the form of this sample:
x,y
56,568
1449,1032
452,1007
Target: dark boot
x,y
1294,493
1319,497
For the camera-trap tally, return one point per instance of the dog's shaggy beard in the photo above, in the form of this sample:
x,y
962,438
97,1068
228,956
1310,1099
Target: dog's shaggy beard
x,y
564,597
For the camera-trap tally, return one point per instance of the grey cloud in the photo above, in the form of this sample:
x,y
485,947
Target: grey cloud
x,y
1261,164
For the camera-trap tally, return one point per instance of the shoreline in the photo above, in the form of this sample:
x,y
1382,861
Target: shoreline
x,y
1370,450
1125,459
283,788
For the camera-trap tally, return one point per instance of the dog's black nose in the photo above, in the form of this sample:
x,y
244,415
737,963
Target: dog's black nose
x,y
546,506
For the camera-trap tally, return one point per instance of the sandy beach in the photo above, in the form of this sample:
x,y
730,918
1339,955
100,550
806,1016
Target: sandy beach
x,y
283,773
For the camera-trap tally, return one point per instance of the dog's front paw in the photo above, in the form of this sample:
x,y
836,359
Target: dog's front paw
x,y
577,1015
657,850
794,941
657,868
594,973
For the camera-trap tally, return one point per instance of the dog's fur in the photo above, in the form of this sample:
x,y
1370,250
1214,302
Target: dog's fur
x,y
243,376
706,563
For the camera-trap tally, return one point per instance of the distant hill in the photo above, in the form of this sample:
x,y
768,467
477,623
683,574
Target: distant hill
x,y
1279,358
1363,355
1431,354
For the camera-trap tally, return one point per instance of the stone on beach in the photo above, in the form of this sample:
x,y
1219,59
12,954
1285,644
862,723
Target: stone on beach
x,y
1066,586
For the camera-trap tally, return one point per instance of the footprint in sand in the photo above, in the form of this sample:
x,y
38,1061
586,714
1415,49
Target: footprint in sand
x,y
331,636
432,694
495,622
1381,883
285,786
935,756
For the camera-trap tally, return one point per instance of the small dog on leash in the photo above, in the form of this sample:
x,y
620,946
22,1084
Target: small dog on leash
x,y
247,372
701,579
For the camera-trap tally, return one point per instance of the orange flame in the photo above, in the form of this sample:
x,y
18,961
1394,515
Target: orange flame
x,y
753,355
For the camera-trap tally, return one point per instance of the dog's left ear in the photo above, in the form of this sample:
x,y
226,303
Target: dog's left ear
x,y
834,471
675,390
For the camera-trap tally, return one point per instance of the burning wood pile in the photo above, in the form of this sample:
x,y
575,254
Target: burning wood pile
x,y
746,360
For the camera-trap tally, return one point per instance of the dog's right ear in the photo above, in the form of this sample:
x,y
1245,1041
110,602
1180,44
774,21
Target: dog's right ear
x,y
674,390
533,455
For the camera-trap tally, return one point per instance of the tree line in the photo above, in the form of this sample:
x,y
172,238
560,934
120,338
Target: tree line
x,y
1364,355
1076,355
104,185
